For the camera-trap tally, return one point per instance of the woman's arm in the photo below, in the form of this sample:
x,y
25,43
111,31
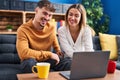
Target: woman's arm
x,y
64,43
87,38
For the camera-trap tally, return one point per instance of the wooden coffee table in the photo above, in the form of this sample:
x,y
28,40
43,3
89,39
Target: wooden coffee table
x,y
57,76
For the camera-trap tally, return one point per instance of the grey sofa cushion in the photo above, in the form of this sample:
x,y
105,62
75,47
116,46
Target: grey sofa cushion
x,y
9,71
96,43
8,52
118,45
9,60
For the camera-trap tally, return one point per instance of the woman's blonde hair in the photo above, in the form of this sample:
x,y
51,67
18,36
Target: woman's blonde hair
x,y
82,10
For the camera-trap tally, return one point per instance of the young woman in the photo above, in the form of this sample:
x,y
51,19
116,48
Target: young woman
x,y
76,35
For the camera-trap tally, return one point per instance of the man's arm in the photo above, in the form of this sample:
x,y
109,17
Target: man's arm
x,y
25,52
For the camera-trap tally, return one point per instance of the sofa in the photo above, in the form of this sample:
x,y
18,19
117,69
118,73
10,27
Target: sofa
x,y
97,46
10,62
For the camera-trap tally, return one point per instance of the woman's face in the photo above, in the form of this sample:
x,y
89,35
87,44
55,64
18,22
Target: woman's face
x,y
74,17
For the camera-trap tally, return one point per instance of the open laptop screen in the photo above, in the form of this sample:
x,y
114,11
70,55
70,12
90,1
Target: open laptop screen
x,y
88,65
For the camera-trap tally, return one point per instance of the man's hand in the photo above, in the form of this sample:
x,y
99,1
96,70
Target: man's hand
x,y
55,57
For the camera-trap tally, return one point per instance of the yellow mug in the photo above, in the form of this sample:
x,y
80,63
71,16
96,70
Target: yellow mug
x,y
42,69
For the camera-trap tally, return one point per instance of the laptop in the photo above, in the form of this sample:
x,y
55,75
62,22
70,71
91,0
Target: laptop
x,y
87,65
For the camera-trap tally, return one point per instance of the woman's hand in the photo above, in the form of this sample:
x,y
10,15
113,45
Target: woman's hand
x,y
60,53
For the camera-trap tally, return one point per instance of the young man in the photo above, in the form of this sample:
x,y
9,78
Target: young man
x,y
35,39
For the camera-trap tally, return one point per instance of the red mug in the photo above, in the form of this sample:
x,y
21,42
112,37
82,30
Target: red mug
x,y
111,66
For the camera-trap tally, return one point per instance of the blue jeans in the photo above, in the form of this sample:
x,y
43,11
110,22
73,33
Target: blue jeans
x,y
64,64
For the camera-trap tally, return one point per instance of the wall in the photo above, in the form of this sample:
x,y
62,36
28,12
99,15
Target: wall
x,y
111,7
58,1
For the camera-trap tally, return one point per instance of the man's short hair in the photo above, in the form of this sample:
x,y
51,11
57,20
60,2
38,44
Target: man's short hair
x,y
47,4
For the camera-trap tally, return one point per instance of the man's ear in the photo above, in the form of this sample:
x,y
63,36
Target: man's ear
x,y
36,9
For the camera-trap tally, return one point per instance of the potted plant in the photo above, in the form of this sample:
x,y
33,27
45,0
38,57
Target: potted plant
x,y
9,27
95,16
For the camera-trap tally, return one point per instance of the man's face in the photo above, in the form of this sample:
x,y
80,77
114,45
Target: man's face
x,y
43,16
